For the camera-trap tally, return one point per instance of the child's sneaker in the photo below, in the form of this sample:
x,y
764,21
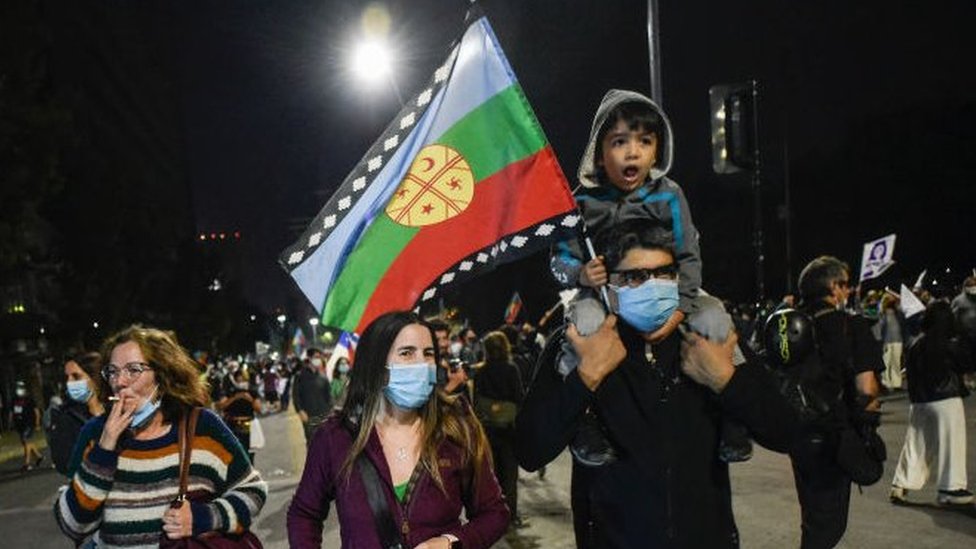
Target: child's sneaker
x,y
736,451
955,497
898,495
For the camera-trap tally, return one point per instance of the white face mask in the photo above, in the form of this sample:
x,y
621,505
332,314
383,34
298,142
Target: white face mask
x,y
971,291
317,362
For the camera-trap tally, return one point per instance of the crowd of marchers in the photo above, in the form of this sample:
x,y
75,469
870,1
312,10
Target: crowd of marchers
x,y
654,386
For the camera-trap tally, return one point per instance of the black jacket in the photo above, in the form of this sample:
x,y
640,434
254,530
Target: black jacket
x,y
312,394
668,488
66,423
934,374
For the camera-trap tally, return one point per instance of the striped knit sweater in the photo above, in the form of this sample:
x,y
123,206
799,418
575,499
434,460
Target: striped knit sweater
x,y
122,495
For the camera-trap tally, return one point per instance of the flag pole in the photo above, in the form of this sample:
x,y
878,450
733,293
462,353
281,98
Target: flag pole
x,y
603,289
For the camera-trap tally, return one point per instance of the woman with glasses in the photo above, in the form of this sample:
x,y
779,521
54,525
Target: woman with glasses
x,y
401,459
82,385
126,479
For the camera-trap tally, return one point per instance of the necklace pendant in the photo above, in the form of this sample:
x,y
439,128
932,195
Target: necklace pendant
x,y
401,454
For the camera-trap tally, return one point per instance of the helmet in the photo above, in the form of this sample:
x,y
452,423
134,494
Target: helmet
x,y
788,338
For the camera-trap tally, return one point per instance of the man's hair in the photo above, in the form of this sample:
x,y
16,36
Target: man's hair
x,y
438,325
638,116
817,277
617,240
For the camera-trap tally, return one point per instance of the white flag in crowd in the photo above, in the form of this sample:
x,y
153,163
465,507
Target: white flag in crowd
x,y
877,257
910,304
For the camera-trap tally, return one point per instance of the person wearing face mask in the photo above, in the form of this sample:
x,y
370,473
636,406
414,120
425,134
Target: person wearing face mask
x,y
402,459
851,360
125,484
660,398
26,418
340,380
238,407
312,393
83,403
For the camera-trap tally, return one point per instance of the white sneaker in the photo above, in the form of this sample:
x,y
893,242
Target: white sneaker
x,y
955,497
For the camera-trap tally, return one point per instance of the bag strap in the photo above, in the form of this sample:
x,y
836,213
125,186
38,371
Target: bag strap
x,y
385,526
187,428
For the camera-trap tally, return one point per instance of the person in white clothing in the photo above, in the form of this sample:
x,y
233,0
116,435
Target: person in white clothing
x,y
936,420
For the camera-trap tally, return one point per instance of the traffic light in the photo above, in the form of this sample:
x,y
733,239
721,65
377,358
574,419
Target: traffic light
x,y
734,142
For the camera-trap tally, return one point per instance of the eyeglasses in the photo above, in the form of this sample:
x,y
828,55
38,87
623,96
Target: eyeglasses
x,y
636,277
130,371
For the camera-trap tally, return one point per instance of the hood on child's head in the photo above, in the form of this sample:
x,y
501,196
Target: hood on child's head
x,y
587,172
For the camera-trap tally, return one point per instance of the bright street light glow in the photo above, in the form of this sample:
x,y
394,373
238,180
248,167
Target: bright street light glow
x,y
371,61
313,321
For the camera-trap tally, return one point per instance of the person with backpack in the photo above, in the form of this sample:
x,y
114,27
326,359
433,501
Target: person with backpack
x,y
81,374
831,455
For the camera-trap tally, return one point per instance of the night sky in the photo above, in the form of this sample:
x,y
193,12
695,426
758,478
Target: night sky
x,y
874,103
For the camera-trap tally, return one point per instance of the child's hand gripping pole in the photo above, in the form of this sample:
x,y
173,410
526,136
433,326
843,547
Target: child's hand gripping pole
x,y
603,289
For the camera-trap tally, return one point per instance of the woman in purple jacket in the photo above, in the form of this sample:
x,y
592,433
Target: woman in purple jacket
x,y
429,452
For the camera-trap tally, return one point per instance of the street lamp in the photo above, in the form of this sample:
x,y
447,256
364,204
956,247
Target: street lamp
x,y
372,63
372,59
314,322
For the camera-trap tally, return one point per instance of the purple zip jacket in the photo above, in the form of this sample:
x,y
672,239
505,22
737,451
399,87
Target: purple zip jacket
x,y
425,513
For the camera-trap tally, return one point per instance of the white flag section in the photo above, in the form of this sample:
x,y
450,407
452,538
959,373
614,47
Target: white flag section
x,y
921,279
877,257
910,304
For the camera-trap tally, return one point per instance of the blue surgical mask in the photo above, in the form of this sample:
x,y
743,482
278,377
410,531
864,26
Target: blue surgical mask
x,y
145,412
648,306
410,385
79,390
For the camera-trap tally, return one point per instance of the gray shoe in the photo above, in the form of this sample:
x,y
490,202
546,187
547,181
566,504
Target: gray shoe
x,y
955,497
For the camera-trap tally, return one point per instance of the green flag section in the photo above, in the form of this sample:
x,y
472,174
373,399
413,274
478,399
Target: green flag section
x,y
499,140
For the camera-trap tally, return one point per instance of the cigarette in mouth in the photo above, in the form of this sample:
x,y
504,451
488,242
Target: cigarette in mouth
x,y
113,398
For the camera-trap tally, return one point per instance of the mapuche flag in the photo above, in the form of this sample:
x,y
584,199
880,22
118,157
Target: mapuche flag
x,y
514,306
461,181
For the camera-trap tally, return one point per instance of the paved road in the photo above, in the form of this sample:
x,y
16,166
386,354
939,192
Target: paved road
x,y
764,499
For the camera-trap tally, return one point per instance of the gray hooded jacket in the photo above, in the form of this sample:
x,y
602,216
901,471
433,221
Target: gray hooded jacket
x,y
659,199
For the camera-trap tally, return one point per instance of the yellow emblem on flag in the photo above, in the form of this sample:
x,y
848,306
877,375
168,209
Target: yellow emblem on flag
x,y
438,186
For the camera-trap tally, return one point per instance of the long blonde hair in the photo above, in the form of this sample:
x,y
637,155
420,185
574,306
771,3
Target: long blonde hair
x,y
443,416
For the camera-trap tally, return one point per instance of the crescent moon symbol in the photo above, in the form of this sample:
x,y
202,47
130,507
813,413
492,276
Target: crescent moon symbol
x,y
430,163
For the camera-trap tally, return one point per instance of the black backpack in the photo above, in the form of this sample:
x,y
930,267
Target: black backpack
x,y
795,362
62,434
